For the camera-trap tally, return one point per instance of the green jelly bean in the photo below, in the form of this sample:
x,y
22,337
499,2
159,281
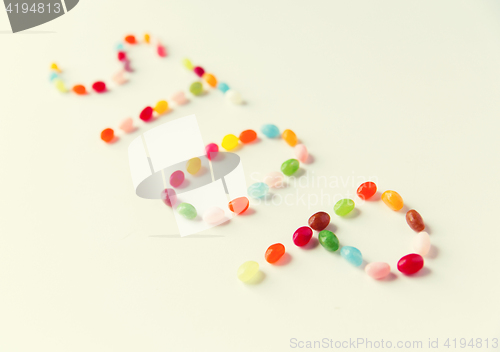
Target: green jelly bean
x,y
290,167
196,88
343,207
328,240
187,210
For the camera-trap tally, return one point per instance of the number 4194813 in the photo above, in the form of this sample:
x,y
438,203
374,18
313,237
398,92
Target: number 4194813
x,y
41,8
471,343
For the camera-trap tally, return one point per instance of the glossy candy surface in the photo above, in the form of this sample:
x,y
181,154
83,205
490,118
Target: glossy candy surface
x,y
274,253
213,215
352,255
169,196
343,207
247,271
99,87
79,89
187,211
422,243
258,190
193,166
366,190
234,97
199,71
130,39
378,270
187,64
176,178
290,137
107,135
146,113
301,152
161,107
415,221
223,87
302,236
210,79
248,136
393,200
319,221
229,142
196,88
239,205
410,264
290,167
274,179
270,131
211,149
328,240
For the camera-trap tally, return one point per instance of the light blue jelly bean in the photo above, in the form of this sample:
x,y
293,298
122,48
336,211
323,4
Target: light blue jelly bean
x,y
270,131
352,255
120,47
258,190
53,76
223,87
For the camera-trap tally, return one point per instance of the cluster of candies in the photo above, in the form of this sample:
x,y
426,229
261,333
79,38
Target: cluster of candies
x,y
408,265
79,89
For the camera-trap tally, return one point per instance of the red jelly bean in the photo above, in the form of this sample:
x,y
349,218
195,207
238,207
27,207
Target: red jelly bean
x,y
99,87
199,71
239,205
146,114
366,190
410,264
169,197
130,39
121,55
211,149
107,135
274,252
248,136
177,178
161,50
302,236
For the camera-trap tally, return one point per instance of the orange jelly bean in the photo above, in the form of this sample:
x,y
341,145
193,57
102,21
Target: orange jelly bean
x,y
274,252
210,79
290,137
130,39
393,200
239,205
248,136
79,89
107,135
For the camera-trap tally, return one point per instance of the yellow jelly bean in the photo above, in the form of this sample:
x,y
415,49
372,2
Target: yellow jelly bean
x,y
229,142
161,107
247,270
60,85
187,64
193,165
393,200
55,67
290,137
146,38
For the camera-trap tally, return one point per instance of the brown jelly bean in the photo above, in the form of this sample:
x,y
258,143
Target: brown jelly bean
x,y
319,221
414,219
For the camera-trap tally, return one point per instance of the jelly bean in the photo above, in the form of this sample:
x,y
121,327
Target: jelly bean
x,y
301,152
211,149
410,264
223,87
119,77
60,86
378,270
328,240
176,178
161,50
258,190
161,107
366,190
352,255
210,79
290,167
147,38
107,135
248,136
54,67
199,71
239,205
193,166
99,86
53,75
130,39
187,64
393,200
270,131
290,137
274,179
234,97
120,47
213,215
127,125
274,253
196,88
187,211
415,221
343,207
180,98
169,197
319,221
146,113
122,56
247,271
302,236
229,142
79,89
422,243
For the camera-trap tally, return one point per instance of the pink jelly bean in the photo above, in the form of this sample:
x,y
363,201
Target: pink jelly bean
x,y
301,152
302,236
119,77
274,179
161,50
211,149
199,71
378,270
176,178
127,125
169,197
180,98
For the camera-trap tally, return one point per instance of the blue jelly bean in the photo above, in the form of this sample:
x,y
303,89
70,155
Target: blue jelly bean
x,y
270,131
258,190
223,87
53,76
120,47
352,255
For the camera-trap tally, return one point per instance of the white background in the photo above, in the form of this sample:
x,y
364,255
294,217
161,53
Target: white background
x,y
406,92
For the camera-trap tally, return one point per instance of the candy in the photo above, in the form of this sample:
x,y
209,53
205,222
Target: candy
x,y
193,166
213,215
274,253
366,190
169,197
60,86
211,149
147,38
187,211
119,78
210,79
127,125
290,167
99,86
107,135
146,113
176,178
328,240
180,98
187,64
229,142
274,179
54,67
319,221
352,255
239,205
302,236
258,190
53,75
415,221
290,137
247,271
199,71
343,207
121,55
378,270
301,152
223,87
130,39
410,264
196,88
248,136
161,107
120,46
234,97
79,89
422,243
161,50
393,200
270,131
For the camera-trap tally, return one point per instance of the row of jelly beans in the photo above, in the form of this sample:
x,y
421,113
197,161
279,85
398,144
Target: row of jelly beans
x,y
409,264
